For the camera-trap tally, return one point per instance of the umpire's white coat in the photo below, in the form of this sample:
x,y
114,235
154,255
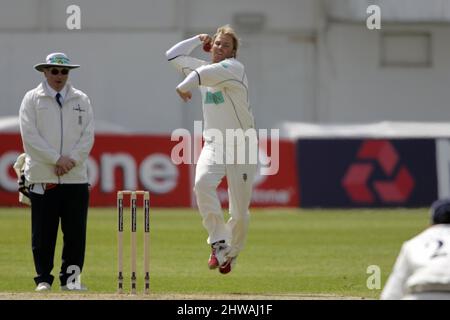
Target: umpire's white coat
x,y
224,92
49,131
422,269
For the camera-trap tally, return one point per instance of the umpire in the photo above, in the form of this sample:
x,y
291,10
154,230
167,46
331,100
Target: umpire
x,y
57,129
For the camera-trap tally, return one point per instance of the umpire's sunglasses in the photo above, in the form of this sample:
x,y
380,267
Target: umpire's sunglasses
x,y
55,71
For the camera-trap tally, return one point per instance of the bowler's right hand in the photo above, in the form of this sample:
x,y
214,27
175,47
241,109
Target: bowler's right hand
x,y
205,38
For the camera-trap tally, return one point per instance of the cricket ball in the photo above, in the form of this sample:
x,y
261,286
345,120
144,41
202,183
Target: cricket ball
x,y
207,47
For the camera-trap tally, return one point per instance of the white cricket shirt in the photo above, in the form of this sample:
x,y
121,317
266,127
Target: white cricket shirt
x,y
223,86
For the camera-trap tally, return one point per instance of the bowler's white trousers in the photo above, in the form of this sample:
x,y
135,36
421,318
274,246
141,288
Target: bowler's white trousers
x,y
208,175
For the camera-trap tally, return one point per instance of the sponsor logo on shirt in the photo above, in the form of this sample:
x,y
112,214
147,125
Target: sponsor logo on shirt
x,y
216,98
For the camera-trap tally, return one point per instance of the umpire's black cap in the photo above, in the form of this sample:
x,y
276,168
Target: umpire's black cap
x,y
440,211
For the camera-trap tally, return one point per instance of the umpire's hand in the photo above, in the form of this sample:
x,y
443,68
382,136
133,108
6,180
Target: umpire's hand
x,y
64,165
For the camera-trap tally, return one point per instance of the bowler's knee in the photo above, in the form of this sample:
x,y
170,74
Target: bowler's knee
x,y
202,185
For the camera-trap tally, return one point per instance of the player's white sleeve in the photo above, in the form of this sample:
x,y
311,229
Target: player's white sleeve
x,y
395,288
222,74
179,57
34,144
227,73
190,82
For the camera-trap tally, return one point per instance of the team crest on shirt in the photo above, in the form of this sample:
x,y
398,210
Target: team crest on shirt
x,y
80,117
214,98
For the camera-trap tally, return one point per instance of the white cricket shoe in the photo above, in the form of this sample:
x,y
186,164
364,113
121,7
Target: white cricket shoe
x,y
227,265
43,286
74,287
220,251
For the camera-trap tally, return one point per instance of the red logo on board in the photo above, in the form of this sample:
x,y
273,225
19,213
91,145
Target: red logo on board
x,y
395,188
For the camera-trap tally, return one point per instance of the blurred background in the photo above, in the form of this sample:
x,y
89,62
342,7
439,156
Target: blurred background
x,y
315,70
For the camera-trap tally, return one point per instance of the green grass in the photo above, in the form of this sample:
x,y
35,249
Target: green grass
x,y
288,251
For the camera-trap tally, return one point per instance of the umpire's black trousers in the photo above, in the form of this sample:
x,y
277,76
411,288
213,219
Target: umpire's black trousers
x,y
68,203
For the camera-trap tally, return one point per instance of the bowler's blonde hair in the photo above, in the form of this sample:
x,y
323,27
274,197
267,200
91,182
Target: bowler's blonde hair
x,y
229,31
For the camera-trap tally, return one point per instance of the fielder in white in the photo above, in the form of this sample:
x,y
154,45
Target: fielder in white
x,y
422,269
224,89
